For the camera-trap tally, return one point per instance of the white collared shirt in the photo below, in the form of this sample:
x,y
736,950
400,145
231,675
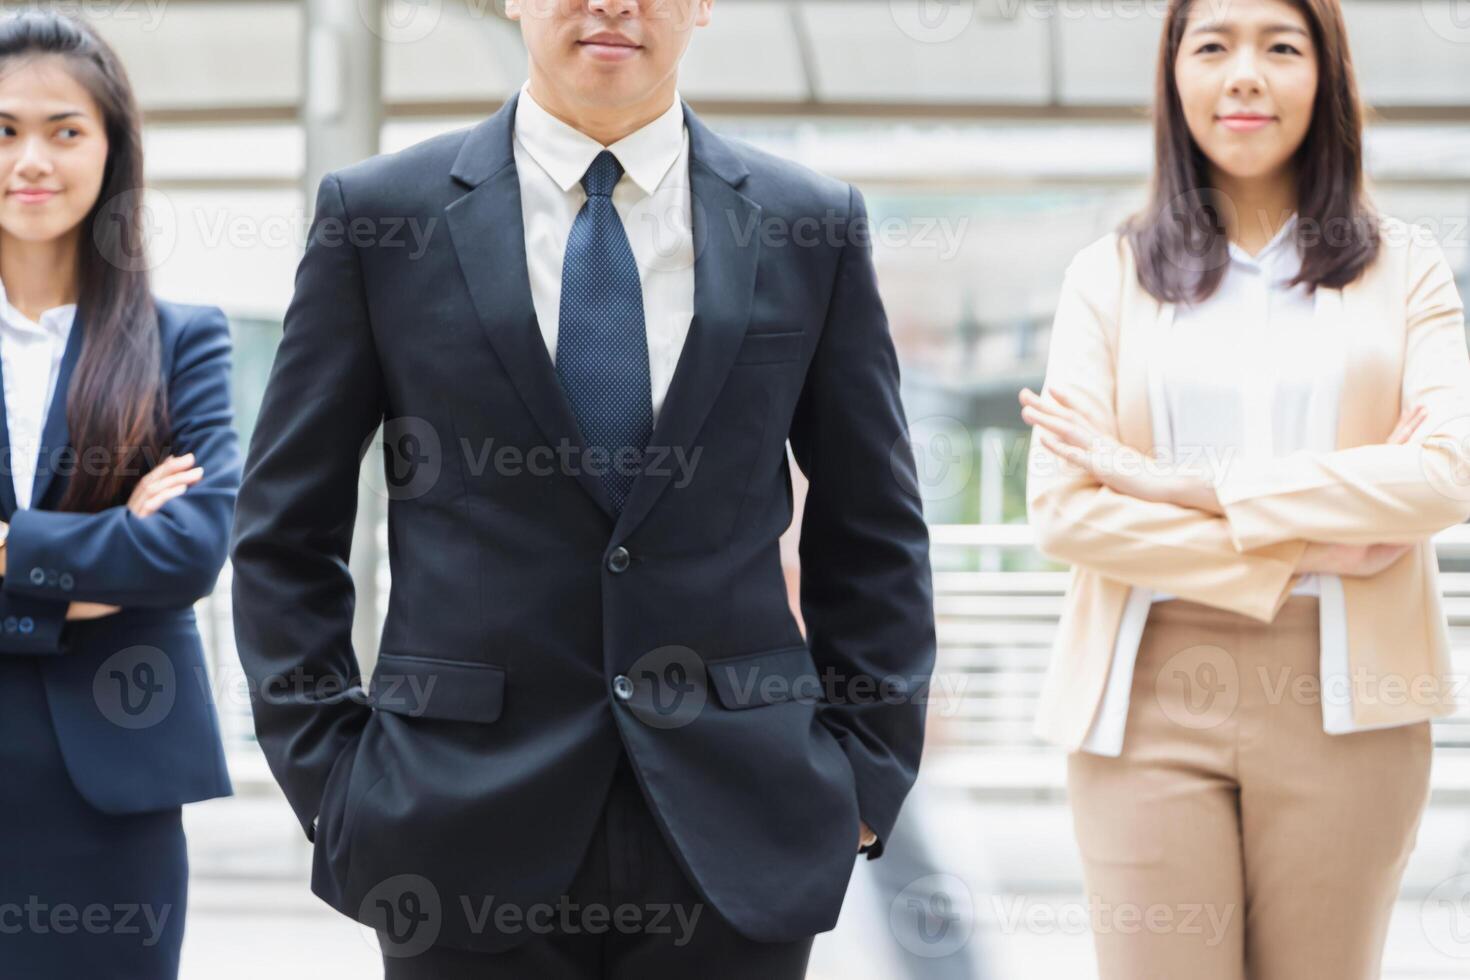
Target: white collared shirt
x,y
652,198
1251,370
30,360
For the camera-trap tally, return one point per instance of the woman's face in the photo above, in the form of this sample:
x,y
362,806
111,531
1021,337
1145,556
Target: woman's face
x,y
1247,77
53,150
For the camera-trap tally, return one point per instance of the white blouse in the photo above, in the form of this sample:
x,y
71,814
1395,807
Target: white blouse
x,y
30,360
1251,371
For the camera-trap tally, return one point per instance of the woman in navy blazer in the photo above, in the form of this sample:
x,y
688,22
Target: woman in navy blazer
x,y
117,485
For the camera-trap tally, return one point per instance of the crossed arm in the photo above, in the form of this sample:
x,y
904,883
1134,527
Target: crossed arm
x,y
1236,539
1067,434
148,552
163,483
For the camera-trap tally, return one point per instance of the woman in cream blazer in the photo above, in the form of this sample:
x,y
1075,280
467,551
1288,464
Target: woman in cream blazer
x,y
1405,343
1225,833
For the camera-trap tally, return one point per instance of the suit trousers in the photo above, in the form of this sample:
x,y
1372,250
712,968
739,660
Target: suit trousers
x,y
1233,837
630,913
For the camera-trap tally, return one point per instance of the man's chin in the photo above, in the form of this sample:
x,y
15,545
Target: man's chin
x,y
600,86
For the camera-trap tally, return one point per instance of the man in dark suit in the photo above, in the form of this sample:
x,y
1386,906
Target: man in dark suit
x,y
595,742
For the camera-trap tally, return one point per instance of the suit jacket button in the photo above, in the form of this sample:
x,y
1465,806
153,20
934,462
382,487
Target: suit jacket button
x,y
622,687
66,581
38,575
617,561
10,624
27,624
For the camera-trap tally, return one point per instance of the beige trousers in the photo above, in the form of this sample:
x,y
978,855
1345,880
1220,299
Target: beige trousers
x,y
1233,838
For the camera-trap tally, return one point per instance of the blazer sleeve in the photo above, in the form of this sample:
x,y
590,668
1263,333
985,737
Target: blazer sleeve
x,y
866,592
292,590
171,558
1078,520
31,626
1376,493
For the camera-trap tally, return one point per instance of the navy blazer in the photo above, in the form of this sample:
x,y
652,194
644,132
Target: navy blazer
x,y
129,694
531,635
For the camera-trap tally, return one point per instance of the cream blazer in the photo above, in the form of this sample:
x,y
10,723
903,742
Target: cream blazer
x,y
1405,345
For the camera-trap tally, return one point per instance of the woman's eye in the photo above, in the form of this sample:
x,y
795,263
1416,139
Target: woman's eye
x,y
1210,47
1284,48
72,130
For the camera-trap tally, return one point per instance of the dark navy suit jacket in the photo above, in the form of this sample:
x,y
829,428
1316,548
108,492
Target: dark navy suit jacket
x,y
129,696
531,637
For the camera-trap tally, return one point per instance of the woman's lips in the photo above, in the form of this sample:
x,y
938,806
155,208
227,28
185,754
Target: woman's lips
x,y
1244,124
33,197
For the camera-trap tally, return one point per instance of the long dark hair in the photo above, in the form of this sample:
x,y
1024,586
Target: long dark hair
x,y
1179,238
118,398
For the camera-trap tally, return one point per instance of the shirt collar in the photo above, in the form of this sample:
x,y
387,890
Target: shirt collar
x,y
565,152
1281,254
55,322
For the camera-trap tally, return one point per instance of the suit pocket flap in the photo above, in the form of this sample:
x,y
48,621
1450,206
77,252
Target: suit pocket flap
x,y
768,677
767,348
422,686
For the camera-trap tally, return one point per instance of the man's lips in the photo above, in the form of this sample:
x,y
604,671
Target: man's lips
x,y
1244,122
609,47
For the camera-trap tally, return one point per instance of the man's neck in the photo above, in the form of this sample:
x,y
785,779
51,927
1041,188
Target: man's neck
x,y
608,124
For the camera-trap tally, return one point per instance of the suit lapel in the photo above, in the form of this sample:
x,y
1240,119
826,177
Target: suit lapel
x,y
489,238
1137,338
726,249
488,234
55,434
1361,365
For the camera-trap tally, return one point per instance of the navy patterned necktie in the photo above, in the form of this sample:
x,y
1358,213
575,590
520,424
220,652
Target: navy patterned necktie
x,y
601,344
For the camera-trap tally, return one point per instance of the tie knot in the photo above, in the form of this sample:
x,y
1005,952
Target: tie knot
x,y
602,176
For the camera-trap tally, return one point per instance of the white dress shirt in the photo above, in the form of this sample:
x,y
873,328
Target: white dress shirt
x,y
30,356
652,198
1250,371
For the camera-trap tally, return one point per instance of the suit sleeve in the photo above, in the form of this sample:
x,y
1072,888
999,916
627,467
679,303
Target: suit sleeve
x,y
170,558
1078,520
1396,494
31,626
866,590
292,590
